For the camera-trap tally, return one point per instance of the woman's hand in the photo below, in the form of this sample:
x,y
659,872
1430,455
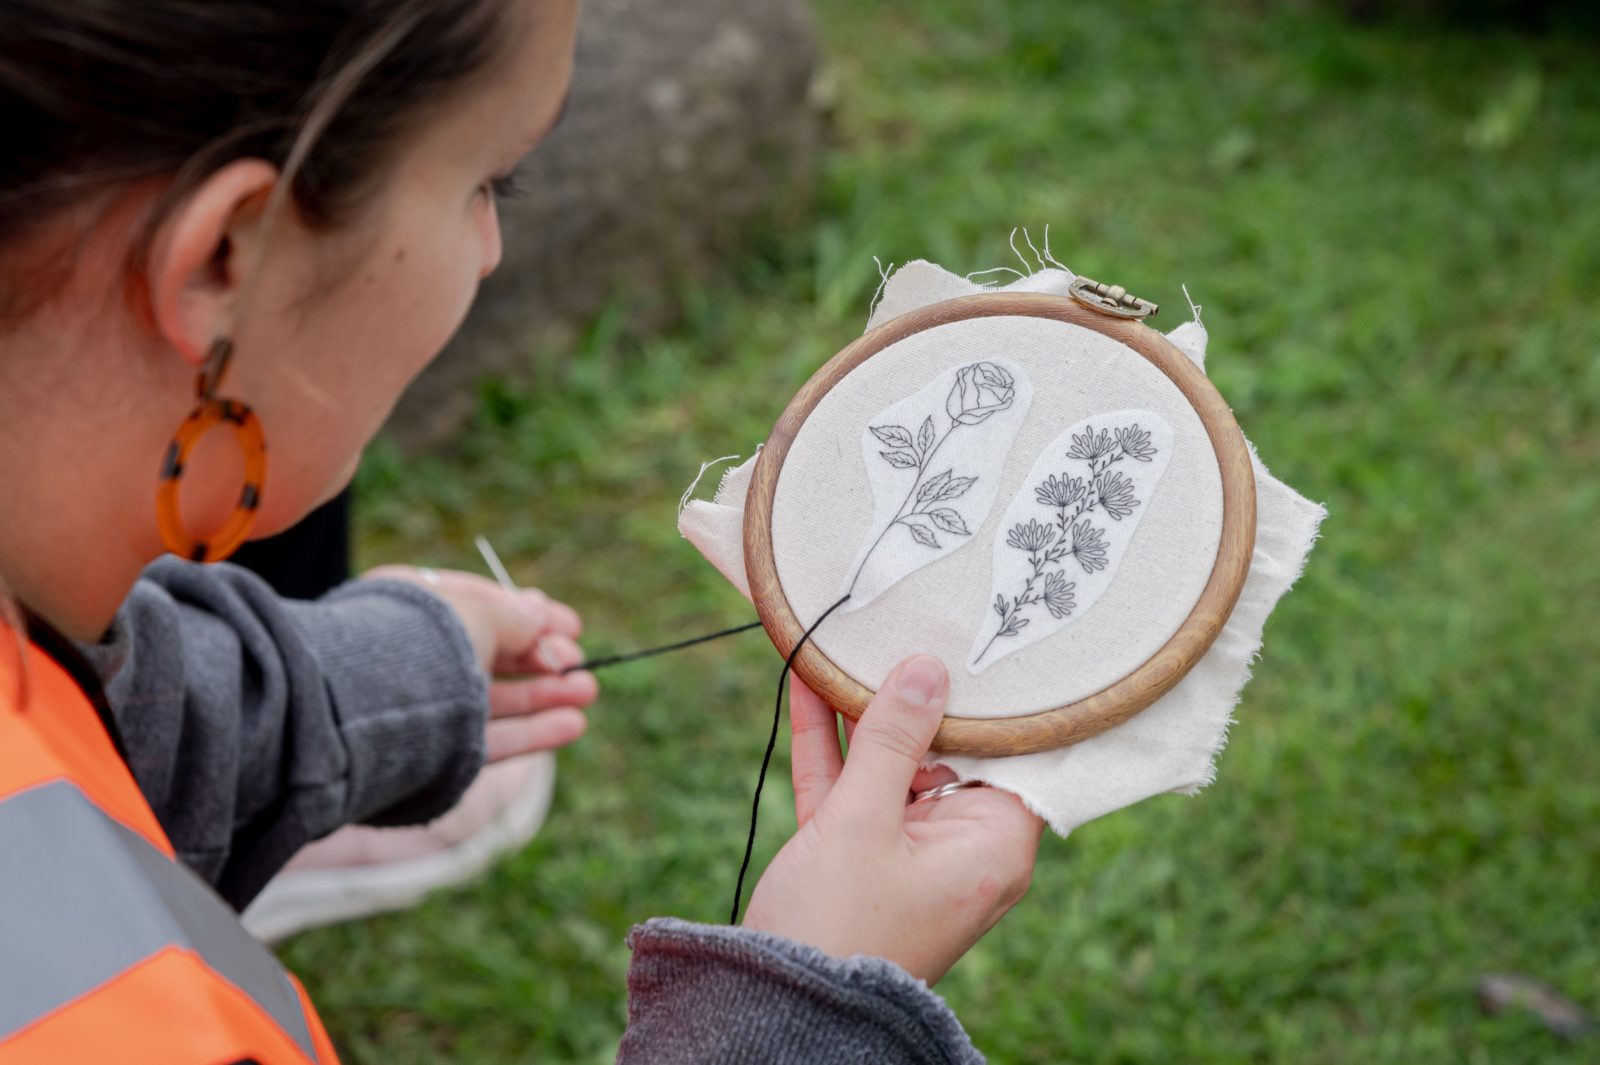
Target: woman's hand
x,y
869,874
523,640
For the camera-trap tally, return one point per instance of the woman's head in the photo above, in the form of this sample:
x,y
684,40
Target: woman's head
x,y
313,180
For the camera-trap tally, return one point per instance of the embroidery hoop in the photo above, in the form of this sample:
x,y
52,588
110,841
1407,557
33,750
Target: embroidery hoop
x,y
1118,701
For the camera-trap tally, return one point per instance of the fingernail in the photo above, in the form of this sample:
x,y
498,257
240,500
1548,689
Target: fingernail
x,y
922,680
557,654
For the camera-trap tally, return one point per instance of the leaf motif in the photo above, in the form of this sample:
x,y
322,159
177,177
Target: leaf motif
x,y
929,492
909,435
956,488
900,459
1000,605
893,435
949,521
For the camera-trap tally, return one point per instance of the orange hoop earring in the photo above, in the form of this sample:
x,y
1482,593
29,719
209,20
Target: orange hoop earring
x,y
209,412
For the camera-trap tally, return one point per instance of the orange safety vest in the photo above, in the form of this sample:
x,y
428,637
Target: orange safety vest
x,y
110,948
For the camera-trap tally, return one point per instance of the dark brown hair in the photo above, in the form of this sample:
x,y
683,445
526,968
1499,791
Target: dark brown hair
x,y
96,93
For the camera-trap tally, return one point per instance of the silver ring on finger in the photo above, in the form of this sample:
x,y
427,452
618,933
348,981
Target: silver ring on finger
x,y
942,790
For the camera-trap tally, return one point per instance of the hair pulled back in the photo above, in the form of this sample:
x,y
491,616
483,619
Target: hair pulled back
x,y
98,93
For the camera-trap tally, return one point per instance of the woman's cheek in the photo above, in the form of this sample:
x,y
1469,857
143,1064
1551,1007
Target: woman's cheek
x,y
440,290
489,236
424,295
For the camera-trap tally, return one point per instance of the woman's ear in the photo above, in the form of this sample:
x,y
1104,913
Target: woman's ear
x,y
202,254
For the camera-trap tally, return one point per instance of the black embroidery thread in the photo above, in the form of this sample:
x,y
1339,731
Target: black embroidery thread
x,y
766,759
650,652
1071,535
981,390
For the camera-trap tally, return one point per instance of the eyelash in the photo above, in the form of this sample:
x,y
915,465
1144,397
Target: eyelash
x,y
507,186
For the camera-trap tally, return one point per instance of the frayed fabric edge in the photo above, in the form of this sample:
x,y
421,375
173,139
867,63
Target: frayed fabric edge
x,y
1312,517
688,493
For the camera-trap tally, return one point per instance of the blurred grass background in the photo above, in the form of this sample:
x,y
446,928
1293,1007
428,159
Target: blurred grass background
x,y
1394,235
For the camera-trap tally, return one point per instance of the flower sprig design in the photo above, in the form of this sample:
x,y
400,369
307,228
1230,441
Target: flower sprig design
x,y
981,390
1070,536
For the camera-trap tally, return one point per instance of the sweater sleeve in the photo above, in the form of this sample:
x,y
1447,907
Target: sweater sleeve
x,y
705,994
255,724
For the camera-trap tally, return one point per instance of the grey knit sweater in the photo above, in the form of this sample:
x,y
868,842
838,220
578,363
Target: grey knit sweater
x,y
255,724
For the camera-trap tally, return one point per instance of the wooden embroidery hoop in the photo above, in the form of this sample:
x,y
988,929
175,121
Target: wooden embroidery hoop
x,y
1112,705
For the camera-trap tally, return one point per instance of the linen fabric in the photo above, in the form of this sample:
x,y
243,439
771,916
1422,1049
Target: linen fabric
x,y
1171,745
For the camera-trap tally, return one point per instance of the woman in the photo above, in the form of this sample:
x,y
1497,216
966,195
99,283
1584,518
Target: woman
x,y
242,223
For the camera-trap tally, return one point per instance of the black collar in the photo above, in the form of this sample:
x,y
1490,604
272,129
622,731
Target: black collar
x,y
62,651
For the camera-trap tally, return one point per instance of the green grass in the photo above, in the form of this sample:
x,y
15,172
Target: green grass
x,y
1395,238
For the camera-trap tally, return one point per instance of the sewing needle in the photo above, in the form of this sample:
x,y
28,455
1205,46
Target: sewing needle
x,y
492,560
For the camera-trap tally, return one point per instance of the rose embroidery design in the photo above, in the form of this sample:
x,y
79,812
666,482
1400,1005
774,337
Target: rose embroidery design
x,y
931,511
982,389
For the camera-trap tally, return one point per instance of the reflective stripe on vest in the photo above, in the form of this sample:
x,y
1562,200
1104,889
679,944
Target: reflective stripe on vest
x,y
84,899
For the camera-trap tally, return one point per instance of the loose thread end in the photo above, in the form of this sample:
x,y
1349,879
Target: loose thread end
x,y
766,759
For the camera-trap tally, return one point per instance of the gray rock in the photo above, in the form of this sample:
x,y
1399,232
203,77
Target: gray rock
x,y
687,120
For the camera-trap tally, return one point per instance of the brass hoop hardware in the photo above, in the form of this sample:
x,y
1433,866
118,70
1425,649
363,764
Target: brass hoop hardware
x,y
1111,299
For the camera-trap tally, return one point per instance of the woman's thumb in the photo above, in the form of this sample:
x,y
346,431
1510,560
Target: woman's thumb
x,y
891,739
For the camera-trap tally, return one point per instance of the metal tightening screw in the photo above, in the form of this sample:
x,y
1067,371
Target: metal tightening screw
x,y
1111,299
